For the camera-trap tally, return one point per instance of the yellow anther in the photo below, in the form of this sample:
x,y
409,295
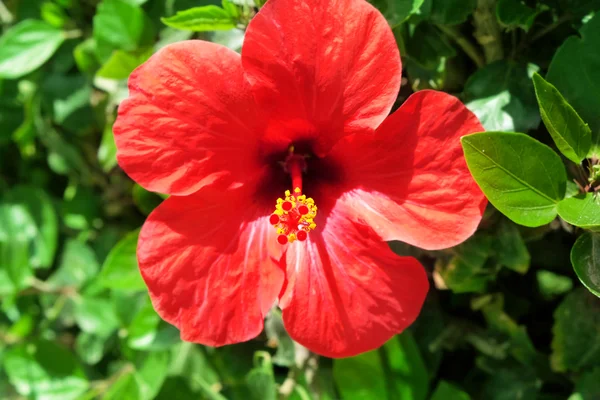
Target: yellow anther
x,y
288,193
291,237
312,226
297,190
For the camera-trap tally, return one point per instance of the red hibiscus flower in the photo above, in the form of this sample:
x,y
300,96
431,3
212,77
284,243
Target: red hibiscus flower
x,y
304,109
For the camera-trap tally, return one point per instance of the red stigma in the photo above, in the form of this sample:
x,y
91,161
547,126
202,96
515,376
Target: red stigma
x,y
287,206
273,219
303,210
282,239
301,236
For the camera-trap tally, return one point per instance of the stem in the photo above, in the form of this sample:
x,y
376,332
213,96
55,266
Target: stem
x,y
464,43
73,34
487,30
550,28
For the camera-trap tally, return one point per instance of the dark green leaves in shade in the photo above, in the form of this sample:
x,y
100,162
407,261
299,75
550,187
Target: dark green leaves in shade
x,y
120,269
502,96
585,257
447,12
122,25
587,386
44,371
522,178
395,371
576,343
516,14
26,47
205,18
582,210
397,11
447,391
575,71
571,135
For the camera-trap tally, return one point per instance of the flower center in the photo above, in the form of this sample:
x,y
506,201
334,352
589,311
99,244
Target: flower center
x,y
295,213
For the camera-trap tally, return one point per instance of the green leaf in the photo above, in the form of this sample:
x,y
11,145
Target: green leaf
x,y
260,380
510,249
81,207
511,384
90,348
516,14
126,387
85,56
121,63
201,19
122,25
148,332
585,257
523,178
27,46
447,12
502,96
587,386
575,71
581,210
68,97
151,372
146,201
96,316
571,135
447,391
466,272
286,352
395,371
552,285
44,371
576,343
30,220
77,266
107,152
191,364
120,269
397,11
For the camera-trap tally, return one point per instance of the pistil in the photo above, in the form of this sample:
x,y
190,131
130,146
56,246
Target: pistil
x,y
294,214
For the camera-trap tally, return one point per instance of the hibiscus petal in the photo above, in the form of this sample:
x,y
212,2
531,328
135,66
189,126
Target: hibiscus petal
x,y
411,181
211,265
321,68
190,120
347,292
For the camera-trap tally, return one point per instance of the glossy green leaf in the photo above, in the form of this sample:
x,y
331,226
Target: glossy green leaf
x,y
521,177
575,71
571,135
581,210
397,11
122,25
107,152
502,96
447,391
120,269
585,257
200,19
26,47
151,372
44,371
576,343
396,371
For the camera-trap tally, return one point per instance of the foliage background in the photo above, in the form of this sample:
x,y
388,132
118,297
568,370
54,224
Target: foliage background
x,y
506,318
